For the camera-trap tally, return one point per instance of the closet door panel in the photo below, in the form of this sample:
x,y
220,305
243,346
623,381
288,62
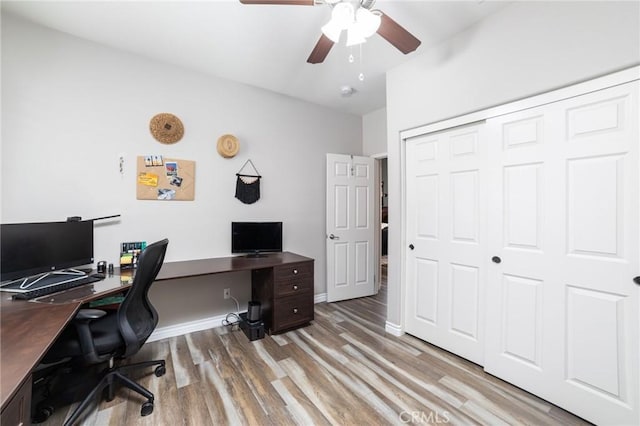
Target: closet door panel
x,y
446,240
519,228
591,182
523,199
522,320
600,339
562,309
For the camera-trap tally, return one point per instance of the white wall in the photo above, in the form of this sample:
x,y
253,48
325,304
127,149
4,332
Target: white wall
x,y
70,107
374,132
525,49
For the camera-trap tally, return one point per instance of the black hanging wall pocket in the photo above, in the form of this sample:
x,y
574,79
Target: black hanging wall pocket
x,y
248,186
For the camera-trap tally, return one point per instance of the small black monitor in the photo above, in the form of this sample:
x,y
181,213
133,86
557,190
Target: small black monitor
x,y
31,248
256,237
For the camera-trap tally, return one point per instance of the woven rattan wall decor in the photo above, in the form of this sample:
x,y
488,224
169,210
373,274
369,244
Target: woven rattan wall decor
x,y
166,128
228,146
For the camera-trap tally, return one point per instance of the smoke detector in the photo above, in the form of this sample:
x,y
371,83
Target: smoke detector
x,y
346,91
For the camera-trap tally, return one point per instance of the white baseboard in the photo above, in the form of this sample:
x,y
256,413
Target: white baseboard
x,y
393,329
186,327
203,324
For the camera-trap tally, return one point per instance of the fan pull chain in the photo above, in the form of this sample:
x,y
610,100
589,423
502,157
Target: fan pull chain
x,y
361,75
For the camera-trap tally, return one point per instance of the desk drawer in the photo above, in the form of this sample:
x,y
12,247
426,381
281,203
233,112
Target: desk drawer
x,y
18,409
292,311
294,270
293,286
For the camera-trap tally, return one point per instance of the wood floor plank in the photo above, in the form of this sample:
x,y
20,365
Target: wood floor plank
x,y
436,403
220,406
302,410
193,406
199,343
185,372
257,375
335,402
365,398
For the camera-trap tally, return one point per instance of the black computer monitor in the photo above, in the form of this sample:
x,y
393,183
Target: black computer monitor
x,y
31,248
255,238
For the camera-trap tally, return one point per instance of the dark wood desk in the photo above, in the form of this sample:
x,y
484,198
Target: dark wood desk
x,y
281,282
28,329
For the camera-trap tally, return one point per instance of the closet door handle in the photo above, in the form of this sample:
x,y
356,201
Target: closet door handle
x,y
411,246
637,280
333,237
496,259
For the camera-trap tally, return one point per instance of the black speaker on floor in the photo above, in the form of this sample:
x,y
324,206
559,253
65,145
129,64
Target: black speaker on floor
x,y
254,330
253,311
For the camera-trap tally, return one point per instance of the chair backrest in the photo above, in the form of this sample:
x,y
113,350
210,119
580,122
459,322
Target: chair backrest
x,y
137,318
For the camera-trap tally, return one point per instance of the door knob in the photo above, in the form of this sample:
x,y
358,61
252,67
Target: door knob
x,y
411,246
496,259
333,237
636,280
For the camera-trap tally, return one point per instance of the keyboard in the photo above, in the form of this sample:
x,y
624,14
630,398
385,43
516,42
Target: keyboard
x,y
39,292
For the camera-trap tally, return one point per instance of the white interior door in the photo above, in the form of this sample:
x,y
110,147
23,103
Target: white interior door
x,y
446,240
562,307
351,255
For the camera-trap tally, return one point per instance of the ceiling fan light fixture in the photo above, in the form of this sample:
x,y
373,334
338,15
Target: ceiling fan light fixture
x,y
342,17
343,14
332,31
368,22
355,36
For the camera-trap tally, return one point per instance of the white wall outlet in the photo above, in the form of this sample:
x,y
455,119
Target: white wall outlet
x,y
227,293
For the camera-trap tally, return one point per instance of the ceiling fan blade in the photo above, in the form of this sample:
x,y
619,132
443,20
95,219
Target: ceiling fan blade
x,y
289,2
395,34
323,46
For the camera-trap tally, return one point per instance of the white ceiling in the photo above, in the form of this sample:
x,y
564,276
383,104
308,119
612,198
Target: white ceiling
x,y
264,46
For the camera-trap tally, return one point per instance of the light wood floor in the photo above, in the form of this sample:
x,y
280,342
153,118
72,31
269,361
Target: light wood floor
x,y
343,369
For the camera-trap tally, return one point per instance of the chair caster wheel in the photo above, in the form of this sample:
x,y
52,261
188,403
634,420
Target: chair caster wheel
x,y
42,414
147,408
160,370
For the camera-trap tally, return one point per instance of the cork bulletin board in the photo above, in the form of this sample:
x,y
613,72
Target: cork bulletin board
x,y
165,179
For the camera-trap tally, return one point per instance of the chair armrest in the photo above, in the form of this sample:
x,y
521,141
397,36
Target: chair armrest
x,y
81,321
89,314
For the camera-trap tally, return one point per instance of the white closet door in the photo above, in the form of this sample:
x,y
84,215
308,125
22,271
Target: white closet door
x,y
446,240
562,307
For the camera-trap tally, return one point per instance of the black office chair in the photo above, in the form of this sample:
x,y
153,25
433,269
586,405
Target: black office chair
x,y
99,336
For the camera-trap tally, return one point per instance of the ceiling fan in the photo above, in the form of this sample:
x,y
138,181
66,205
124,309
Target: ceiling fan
x,y
349,14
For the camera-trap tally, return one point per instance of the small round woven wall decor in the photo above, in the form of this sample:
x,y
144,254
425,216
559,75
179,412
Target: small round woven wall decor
x,y
166,128
228,146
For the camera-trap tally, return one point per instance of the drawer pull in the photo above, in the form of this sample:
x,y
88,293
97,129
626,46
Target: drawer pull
x,y
295,310
295,272
295,287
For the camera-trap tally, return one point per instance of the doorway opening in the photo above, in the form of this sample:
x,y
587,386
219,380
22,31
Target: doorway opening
x,y
384,216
